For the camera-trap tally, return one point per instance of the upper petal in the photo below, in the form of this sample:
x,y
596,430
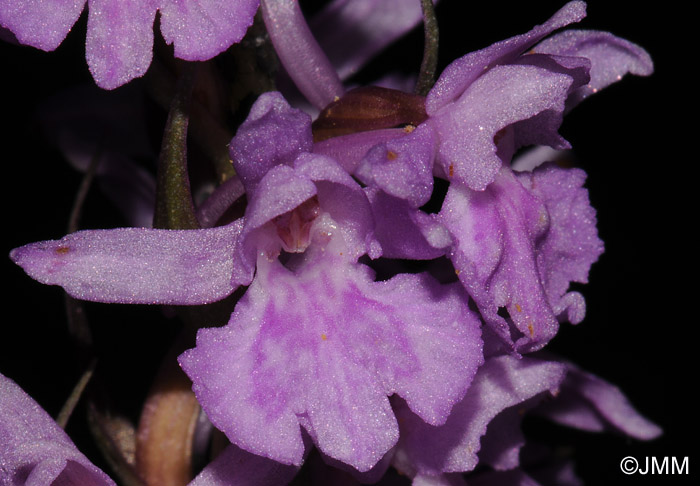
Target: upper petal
x,y
499,98
405,232
35,450
280,191
611,57
283,189
349,150
119,43
137,265
344,200
403,167
273,133
40,23
462,72
543,128
201,29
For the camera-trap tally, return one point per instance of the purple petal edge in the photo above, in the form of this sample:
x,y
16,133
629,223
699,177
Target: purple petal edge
x,y
136,265
236,467
34,450
40,23
299,52
590,403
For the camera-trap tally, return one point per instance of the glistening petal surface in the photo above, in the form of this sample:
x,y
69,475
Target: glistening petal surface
x,y
455,79
34,450
201,29
40,23
611,57
119,43
136,265
503,96
324,347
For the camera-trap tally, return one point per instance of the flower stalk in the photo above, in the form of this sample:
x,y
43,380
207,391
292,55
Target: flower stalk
x,y
174,205
428,67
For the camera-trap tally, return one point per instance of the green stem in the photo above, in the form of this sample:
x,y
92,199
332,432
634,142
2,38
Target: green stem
x,y
78,327
174,205
210,135
74,397
428,68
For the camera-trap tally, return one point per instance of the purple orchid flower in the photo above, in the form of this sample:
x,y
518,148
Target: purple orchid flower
x,y
484,107
373,373
490,102
515,246
317,333
120,33
316,342
538,81
35,450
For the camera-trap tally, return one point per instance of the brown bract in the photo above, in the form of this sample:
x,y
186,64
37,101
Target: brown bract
x,y
369,108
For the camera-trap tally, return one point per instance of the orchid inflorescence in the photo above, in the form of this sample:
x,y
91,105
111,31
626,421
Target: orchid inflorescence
x,y
393,263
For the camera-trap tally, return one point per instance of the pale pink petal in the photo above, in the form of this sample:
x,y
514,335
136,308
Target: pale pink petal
x,y
611,57
299,52
34,450
201,29
119,44
501,97
40,23
457,77
136,265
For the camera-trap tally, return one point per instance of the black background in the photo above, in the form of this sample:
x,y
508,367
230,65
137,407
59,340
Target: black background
x,y
634,139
